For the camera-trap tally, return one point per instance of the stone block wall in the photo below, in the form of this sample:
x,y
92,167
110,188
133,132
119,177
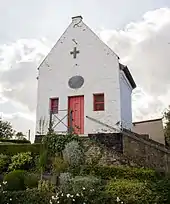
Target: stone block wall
x,y
110,140
95,153
150,153
137,149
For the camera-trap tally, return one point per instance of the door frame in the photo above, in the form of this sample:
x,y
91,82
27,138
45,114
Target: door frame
x,y
69,110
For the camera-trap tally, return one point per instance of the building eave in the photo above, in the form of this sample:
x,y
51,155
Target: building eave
x,y
128,75
148,121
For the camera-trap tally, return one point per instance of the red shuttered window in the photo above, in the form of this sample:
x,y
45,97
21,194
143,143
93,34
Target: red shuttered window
x,y
98,102
54,102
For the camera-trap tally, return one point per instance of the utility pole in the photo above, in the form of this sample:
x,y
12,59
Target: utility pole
x,y
29,133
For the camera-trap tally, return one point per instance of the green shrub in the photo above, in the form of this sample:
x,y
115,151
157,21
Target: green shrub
x,y
12,149
161,190
82,190
4,162
73,154
129,191
31,180
59,165
32,196
46,186
109,172
15,180
65,181
85,182
42,161
22,161
56,143
1,177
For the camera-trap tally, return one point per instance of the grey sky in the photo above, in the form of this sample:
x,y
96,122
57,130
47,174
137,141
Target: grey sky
x,y
25,23
34,19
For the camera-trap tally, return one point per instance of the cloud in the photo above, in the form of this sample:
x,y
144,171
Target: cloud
x,y
19,62
145,46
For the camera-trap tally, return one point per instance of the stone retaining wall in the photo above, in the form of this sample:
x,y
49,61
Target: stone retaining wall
x,y
137,149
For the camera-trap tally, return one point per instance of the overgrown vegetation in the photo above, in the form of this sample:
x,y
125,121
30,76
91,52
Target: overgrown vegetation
x,y
167,127
57,172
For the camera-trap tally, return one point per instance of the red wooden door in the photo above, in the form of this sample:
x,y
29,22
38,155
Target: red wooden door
x,y
76,105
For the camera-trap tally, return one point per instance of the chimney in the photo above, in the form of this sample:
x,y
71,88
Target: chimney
x,y
77,19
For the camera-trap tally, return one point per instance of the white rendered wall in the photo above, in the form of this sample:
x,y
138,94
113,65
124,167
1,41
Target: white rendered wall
x,y
96,63
126,101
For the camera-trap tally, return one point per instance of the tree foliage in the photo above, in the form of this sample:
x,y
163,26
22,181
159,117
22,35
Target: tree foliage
x,y
20,136
167,127
6,130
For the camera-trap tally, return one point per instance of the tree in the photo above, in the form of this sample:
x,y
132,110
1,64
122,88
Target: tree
x,y
6,130
20,136
167,127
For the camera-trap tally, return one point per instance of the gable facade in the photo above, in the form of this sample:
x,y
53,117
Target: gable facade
x,y
84,75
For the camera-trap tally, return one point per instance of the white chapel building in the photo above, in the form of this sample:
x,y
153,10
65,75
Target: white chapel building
x,y
82,85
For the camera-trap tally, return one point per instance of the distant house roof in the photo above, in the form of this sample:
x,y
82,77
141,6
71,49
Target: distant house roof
x,y
128,75
147,121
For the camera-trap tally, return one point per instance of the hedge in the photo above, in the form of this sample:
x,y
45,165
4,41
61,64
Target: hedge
x,y
12,149
15,141
131,192
109,172
15,180
25,197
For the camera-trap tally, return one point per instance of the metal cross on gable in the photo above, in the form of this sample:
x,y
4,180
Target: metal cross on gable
x,y
74,52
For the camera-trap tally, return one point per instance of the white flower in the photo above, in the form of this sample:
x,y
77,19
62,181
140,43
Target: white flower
x,y
77,194
58,201
83,188
62,194
10,199
118,199
4,182
68,195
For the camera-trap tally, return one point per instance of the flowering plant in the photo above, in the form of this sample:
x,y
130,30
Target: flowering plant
x,y
81,197
2,191
2,186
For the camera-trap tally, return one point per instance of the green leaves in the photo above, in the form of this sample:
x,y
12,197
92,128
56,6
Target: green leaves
x,y
56,143
128,191
6,130
32,196
73,154
21,161
12,149
4,162
109,172
15,180
59,165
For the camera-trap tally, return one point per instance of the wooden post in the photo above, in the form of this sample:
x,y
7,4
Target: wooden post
x,y
70,128
50,123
